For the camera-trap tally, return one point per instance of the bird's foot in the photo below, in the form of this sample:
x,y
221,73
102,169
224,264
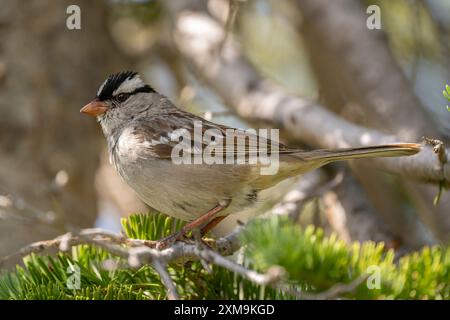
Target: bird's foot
x,y
166,242
209,218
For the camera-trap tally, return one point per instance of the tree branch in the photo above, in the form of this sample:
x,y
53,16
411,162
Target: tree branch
x,y
366,73
366,65
167,280
197,36
138,252
122,247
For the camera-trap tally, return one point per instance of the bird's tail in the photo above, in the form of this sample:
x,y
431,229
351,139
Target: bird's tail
x,y
388,150
304,161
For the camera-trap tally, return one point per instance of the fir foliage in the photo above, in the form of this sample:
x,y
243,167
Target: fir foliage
x,y
313,262
318,262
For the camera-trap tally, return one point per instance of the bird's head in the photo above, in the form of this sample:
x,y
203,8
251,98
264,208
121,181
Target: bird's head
x,y
121,98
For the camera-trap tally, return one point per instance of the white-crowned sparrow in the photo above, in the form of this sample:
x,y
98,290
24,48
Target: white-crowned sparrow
x,y
140,126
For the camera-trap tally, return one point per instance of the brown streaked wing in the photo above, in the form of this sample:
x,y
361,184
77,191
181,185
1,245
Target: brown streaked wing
x,y
158,133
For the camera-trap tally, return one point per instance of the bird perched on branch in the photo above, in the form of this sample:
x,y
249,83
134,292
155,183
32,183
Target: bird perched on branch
x,y
193,169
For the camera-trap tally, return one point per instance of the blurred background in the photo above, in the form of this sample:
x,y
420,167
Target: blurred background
x,y
55,174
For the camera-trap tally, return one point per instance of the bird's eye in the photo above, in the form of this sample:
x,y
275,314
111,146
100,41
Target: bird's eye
x,y
121,97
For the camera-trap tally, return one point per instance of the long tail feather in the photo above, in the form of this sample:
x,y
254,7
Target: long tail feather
x,y
388,150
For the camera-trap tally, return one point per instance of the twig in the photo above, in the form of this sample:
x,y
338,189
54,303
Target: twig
x,y
14,203
172,293
308,187
417,50
334,292
339,289
232,11
209,115
273,275
68,240
17,207
438,148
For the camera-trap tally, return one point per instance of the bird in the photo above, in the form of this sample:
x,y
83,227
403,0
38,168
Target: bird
x,y
144,131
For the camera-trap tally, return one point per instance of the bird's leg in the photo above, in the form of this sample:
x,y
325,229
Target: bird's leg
x,y
214,222
167,241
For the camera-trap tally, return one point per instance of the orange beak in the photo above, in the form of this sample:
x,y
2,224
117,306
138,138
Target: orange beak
x,y
94,108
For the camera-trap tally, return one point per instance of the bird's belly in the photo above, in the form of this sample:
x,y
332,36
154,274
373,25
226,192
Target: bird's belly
x,y
187,192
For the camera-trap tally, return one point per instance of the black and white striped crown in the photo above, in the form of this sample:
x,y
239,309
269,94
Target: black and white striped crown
x,y
115,81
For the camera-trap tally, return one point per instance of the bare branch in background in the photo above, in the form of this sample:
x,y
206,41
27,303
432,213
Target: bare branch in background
x,y
369,77
337,290
353,218
232,11
440,19
367,65
197,36
304,190
337,84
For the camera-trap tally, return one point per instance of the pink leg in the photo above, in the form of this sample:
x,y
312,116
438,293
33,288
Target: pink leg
x,y
167,241
214,222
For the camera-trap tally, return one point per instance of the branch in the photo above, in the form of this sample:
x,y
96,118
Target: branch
x,y
167,280
197,37
366,65
138,256
16,207
333,293
138,252
311,185
232,11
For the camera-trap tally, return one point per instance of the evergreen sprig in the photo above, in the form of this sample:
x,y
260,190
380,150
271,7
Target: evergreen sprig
x,y
313,263
446,94
318,262
46,277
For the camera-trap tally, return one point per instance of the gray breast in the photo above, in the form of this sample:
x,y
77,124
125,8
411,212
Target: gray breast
x,y
184,191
